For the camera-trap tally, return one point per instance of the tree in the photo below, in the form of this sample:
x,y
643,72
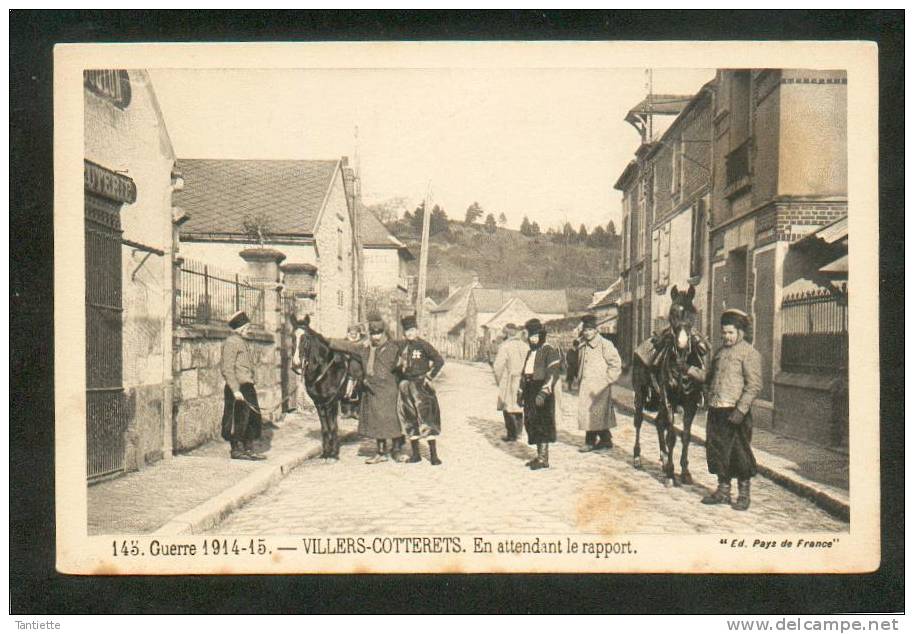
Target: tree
x,y
568,233
388,211
474,213
490,223
502,219
598,237
611,229
582,234
257,226
534,229
438,221
525,227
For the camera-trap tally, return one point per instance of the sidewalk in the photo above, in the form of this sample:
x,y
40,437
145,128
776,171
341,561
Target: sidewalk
x,y
191,493
814,472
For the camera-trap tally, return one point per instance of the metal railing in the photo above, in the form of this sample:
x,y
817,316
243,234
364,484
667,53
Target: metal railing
x,y
210,296
814,336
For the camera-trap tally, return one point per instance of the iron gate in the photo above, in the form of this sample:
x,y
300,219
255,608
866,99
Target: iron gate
x,y
106,415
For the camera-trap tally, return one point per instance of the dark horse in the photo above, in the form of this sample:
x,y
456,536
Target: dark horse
x,y
661,382
326,372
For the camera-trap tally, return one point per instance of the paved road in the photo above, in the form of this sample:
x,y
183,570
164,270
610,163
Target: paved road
x,y
484,487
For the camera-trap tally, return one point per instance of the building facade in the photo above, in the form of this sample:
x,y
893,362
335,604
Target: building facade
x,y
678,174
779,174
129,283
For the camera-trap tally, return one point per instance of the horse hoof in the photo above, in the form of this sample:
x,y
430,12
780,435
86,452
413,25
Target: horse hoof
x,y
687,478
637,462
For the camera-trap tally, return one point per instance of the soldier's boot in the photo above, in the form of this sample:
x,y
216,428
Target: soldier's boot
x,y
238,451
414,445
742,501
542,457
721,495
433,452
381,455
510,429
250,453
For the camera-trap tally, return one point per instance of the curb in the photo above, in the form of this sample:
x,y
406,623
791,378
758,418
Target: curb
x,y
209,514
824,499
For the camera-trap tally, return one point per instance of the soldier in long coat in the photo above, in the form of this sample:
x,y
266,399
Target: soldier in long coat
x,y
508,367
241,421
378,416
599,366
733,383
542,369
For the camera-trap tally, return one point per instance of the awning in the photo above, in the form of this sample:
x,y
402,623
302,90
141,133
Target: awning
x,y
836,268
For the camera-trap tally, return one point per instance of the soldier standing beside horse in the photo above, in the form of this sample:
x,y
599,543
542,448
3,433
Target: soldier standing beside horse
x,y
734,381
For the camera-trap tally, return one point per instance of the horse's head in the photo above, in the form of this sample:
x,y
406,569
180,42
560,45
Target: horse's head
x,y
682,317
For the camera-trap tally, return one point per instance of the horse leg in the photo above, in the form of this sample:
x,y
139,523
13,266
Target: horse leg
x,y
671,445
322,414
688,415
661,422
638,419
334,440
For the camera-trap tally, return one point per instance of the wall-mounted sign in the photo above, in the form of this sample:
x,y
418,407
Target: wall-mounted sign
x,y
103,182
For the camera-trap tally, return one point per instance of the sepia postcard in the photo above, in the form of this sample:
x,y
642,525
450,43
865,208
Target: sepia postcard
x,y
472,307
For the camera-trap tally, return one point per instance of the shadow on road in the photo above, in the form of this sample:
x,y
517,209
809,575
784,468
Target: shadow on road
x,y
493,430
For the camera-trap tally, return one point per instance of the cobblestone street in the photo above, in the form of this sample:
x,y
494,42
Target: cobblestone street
x,y
484,487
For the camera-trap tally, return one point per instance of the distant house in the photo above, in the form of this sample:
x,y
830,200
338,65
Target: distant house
x,y
514,311
605,306
385,255
458,323
487,302
304,210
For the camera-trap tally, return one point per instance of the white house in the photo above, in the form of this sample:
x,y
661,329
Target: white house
x,y
305,212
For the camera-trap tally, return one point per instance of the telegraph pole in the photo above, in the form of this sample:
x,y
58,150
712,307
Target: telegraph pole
x,y
423,258
357,231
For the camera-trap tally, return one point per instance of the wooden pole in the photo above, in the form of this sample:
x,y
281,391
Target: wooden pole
x,y
423,259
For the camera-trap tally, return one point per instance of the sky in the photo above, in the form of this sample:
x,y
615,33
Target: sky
x,y
544,143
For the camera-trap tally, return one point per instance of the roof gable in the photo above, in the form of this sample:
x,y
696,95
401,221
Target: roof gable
x,y
543,302
219,194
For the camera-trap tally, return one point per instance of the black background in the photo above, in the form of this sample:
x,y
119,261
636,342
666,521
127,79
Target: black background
x,y
35,587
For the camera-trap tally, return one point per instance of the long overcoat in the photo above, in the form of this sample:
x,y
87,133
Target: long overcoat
x,y
378,415
508,367
599,367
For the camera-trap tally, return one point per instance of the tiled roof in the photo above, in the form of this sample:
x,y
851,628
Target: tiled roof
x,y
453,299
219,194
375,234
489,300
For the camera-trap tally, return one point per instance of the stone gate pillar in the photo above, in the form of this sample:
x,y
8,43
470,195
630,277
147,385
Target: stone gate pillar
x,y
263,269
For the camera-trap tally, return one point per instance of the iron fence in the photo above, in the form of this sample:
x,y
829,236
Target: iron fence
x,y
814,332
208,295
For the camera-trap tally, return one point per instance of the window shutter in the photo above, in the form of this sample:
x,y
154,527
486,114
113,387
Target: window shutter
x,y
655,259
666,254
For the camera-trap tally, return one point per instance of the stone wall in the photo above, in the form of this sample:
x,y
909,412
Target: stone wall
x,y
199,384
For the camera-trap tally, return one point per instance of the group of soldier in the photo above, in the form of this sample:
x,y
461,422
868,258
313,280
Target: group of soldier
x,y
527,371
399,402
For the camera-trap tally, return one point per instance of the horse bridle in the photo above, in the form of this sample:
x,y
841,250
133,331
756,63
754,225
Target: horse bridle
x,y
322,374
